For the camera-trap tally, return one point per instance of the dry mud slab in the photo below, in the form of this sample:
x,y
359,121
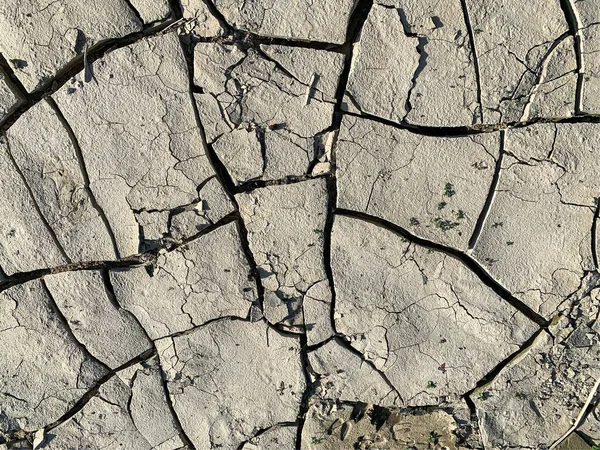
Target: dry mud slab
x,y
299,225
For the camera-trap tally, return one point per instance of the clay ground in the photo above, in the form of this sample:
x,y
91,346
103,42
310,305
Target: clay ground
x,y
299,224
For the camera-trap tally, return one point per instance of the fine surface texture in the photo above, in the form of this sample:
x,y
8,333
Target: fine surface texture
x,y
299,225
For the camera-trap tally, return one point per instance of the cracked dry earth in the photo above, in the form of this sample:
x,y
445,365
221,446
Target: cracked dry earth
x,y
301,224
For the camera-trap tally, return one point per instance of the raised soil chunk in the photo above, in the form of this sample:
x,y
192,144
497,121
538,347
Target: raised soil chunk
x,y
44,371
203,280
247,377
10,97
305,20
285,227
422,317
414,63
138,135
266,112
129,411
536,239
39,38
527,66
435,187
109,333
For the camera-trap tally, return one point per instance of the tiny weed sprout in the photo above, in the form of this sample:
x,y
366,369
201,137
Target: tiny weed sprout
x,y
434,438
449,190
482,396
431,384
414,221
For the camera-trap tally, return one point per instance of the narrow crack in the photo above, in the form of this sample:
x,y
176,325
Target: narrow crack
x,y
467,130
80,404
85,175
490,197
466,259
50,230
134,10
76,65
147,259
265,430
574,28
290,179
182,434
65,323
595,232
467,19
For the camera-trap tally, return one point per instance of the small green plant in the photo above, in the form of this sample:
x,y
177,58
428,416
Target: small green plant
x,y
449,190
434,438
596,447
441,205
317,440
414,221
444,224
482,396
431,384
460,214
497,224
